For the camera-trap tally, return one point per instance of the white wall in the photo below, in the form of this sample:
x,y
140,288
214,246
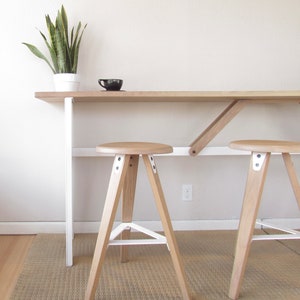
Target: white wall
x,y
152,45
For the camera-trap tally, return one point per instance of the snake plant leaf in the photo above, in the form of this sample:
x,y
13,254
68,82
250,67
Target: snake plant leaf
x,y
76,46
62,61
64,21
63,51
39,54
52,51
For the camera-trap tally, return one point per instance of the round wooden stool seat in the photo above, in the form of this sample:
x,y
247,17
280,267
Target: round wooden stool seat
x,y
123,181
266,146
134,148
261,151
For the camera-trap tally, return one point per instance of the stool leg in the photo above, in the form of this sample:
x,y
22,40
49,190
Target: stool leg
x,y
292,175
252,197
166,222
110,207
128,201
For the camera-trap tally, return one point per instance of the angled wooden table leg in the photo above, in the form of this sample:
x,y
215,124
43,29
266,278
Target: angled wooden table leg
x,y
252,197
292,175
128,201
167,225
216,126
111,204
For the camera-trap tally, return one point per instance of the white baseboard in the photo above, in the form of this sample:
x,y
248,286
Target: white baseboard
x,y
87,227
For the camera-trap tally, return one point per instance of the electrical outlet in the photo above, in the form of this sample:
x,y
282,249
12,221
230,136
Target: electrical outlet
x,y
187,192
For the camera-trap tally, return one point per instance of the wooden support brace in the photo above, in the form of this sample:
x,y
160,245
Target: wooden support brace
x,y
216,126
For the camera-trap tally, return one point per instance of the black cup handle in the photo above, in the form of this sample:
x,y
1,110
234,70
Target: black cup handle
x,y
100,81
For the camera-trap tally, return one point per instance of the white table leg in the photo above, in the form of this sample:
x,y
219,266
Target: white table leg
x,y
68,179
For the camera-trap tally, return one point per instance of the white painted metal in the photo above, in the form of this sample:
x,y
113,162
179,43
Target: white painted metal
x,y
292,234
148,231
118,230
258,160
118,163
277,227
136,242
68,106
265,237
177,151
157,238
152,162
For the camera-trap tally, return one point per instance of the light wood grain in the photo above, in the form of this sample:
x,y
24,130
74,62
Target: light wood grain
x,y
134,148
123,178
216,126
167,226
252,198
171,96
128,201
13,250
237,100
267,146
292,175
110,207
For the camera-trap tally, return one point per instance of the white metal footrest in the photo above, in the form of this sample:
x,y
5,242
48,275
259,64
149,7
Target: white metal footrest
x,y
291,234
157,238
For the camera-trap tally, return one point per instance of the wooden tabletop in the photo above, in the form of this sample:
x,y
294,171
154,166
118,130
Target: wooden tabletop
x,y
173,96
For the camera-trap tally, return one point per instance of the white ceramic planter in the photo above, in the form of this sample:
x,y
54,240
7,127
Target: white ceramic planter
x,y
65,82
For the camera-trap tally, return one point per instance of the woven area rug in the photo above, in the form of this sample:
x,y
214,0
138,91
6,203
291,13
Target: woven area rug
x,y
273,269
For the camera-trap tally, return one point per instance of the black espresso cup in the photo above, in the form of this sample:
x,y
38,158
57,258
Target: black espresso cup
x,y
111,84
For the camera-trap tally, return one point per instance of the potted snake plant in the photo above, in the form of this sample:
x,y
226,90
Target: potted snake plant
x,y
63,49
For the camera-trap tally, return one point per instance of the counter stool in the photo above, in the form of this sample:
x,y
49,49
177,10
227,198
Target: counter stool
x,y
260,155
123,177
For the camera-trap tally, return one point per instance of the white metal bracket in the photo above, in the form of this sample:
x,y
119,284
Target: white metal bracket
x,y
157,238
119,160
151,159
258,160
290,233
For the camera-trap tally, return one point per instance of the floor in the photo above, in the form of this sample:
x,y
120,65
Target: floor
x,y
13,251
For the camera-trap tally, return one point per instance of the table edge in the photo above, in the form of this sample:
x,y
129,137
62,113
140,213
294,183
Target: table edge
x,y
170,96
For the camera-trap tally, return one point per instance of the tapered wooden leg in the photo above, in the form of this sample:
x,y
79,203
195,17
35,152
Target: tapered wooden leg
x,y
216,126
111,204
166,222
252,197
292,175
128,201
